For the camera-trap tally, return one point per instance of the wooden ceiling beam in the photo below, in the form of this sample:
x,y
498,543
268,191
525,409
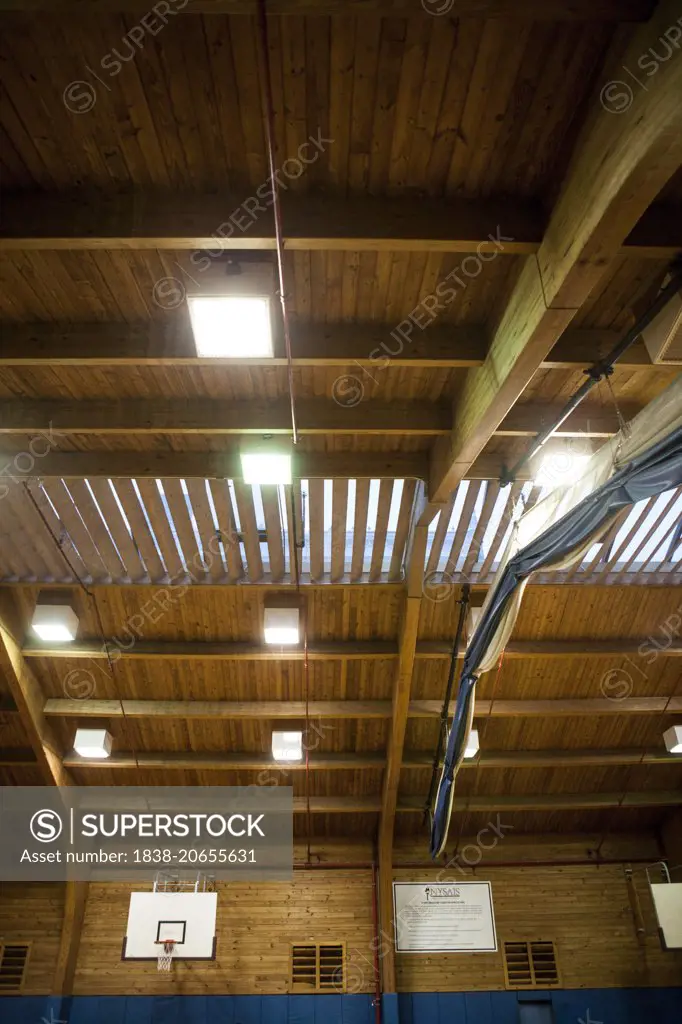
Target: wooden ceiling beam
x,y
16,757
554,801
216,465
77,221
28,695
495,802
412,760
619,165
340,650
367,345
314,417
33,221
536,10
354,709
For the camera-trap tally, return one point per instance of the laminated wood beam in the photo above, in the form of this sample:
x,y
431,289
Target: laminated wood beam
x,y
620,163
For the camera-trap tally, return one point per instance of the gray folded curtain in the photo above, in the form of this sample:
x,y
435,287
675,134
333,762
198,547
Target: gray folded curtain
x,y
656,470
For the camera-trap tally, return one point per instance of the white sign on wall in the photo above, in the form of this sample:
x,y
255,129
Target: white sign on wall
x,y
444,917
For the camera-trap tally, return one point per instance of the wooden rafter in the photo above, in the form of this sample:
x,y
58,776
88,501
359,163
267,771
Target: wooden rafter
x,y
215,465
173,761
495,802
548,10
28,696
438,346
342,650
35,221
619,165
314,417
348,709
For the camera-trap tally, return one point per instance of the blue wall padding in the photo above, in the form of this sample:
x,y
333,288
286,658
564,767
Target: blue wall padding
x,y
390,1013
609,1005
284,1009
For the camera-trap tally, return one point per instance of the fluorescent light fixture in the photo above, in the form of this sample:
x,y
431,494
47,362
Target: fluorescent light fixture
x,y
55,623
231,326
560,469
280,625
672,738
266,467
287,746
471,748
94,743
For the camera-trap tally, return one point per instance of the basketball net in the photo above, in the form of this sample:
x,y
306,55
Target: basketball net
x,y
166,951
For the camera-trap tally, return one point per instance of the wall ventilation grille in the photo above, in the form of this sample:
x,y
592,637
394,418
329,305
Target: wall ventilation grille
x,y
13,961
318,968
530,965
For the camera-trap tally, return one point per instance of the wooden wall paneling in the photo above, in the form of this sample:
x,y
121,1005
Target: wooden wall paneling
x,y
274,528
256,927
359,528
594,934
381,528
154,507
134,569
403,526
203,518
222,501
316,526
339,515
33,913
75,527
142,536
249,531
177,505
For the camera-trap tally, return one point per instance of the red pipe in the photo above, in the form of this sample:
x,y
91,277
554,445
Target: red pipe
x,y
432,866
377,972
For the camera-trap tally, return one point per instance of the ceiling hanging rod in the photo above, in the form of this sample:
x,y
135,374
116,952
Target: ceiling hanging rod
x,y
601,369
269,119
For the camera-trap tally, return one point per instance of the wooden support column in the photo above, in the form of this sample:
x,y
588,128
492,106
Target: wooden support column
x,y
407,650
671,838
28,695
69,942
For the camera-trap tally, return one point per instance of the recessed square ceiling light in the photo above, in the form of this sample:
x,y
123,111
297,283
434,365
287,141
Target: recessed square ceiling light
x,y
280,625
672,738
231,326
287,746
55,623
95,743
471,748
266,467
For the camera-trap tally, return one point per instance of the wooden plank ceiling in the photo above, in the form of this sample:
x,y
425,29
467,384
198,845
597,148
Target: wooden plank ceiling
x,y
443,150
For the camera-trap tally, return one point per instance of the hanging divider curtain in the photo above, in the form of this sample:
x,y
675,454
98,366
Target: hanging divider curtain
x,y
642,461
